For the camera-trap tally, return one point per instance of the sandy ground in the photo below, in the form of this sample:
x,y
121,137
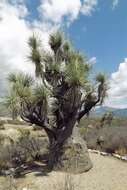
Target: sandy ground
x,y
107,174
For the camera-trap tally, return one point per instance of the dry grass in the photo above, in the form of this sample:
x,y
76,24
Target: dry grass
x,y
115,138
67,184
107,174
20,146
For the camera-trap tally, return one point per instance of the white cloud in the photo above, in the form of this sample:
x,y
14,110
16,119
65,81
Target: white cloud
x,y
117,94
93,60
56,10
14,34
15,29
89,7
115,3
17,6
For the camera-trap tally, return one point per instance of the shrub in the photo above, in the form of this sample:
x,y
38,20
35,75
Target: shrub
x,y
67,184
26,149
115,139
2,125
34,147
5,154
9,183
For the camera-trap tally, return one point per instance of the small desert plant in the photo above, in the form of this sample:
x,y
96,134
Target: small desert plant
x,y
114,139
5,155
27,148
83,131
10,183
67,184
31,145
2,125
106,119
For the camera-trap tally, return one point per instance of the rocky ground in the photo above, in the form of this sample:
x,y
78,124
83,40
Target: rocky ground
x,y
107,174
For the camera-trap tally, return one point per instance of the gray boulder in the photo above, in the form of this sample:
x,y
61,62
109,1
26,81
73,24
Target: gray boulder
x,y
75,158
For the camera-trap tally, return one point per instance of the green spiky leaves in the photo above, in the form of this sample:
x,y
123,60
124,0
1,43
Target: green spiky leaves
x,y
101,78
21,85
77,70
12,103
40,93
102,88
21,78
62,71
55,41
35,55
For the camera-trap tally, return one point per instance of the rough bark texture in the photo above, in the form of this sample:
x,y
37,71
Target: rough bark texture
x,y
73,156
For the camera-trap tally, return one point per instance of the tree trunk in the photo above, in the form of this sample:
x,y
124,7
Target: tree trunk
x,y
14,115
69,152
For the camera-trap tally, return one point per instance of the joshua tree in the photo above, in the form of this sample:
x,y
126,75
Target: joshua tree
x,y
12,105
19,87
106,119
61,93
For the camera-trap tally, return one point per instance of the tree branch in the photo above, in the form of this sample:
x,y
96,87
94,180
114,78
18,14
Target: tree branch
x,y
89,104
29,114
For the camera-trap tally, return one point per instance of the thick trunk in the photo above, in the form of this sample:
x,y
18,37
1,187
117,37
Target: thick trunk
x,y
56,145
69,152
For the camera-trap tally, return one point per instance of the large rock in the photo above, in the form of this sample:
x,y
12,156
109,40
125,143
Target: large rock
x,y
75,157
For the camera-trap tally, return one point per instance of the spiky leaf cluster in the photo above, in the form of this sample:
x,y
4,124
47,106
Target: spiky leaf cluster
x,y
62,74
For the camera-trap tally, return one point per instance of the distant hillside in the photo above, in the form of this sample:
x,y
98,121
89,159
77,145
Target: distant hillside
x,y
97,112
117,112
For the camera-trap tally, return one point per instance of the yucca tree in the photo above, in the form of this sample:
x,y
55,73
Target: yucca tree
x,y
19,92
12,104
61,94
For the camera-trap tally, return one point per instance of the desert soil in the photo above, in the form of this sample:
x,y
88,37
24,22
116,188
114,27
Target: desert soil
x,y
107,174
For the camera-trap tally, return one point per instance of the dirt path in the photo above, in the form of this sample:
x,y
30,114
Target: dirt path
x,y
107,174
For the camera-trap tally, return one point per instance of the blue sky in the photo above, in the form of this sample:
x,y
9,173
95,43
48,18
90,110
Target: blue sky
x,y
103,34
96,27
32,6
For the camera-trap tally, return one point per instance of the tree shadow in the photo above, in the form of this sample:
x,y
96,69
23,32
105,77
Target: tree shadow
x,y
38,168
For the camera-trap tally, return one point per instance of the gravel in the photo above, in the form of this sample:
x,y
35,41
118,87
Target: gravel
x,y
108,173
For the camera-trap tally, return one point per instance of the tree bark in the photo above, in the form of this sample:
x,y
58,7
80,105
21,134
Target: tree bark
x,y
69,152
